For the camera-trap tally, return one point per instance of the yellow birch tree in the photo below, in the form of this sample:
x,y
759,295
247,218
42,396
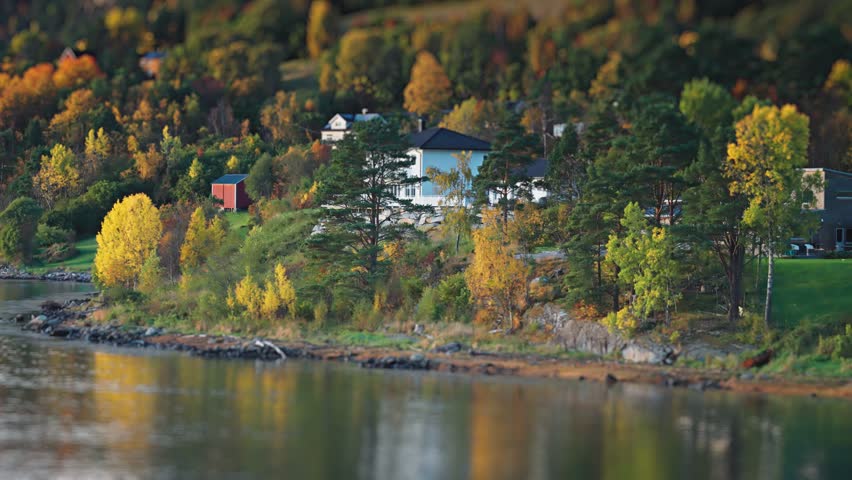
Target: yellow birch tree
x,y
59,176
495,278
129,236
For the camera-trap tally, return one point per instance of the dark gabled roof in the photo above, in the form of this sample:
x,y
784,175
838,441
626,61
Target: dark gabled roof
x,y
230,179
437,138
538,168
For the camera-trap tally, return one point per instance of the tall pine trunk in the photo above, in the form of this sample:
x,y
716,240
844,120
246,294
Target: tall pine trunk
x,y
735,282
770,277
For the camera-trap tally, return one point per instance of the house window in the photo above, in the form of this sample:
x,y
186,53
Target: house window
x,y
410,190
838,235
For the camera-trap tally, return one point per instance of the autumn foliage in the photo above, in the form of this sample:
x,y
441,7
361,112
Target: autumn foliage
x,y
273,299
202,238
496,279
429,89
129,237
74,72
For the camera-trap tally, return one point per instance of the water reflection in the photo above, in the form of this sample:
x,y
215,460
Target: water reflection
x,y
67,409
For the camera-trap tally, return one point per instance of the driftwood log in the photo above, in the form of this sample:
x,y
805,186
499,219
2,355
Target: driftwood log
x,y
759,360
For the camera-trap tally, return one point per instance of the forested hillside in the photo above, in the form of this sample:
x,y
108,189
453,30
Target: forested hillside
x,y
652,191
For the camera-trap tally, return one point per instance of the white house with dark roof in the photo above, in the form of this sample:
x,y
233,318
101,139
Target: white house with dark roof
x,y
341,124
437,148
537,170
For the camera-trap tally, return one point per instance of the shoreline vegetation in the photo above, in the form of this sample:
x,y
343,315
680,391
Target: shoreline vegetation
x,y
82,320
621,180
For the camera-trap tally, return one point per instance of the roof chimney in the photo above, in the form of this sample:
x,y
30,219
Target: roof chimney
x,y
364,111
419,124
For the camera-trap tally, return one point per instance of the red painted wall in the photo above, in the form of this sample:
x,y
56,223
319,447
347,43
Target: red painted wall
x,y
243,200
226,194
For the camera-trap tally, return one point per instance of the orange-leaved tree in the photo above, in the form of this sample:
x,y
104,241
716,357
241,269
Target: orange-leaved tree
x,y
129,236
496,279
429,89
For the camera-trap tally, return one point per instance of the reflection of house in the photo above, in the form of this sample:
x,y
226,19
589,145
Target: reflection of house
x,y
341,124
437,148
833,204
231,190
150,63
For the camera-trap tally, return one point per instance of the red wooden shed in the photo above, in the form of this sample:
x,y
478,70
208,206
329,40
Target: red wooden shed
x,y
231,190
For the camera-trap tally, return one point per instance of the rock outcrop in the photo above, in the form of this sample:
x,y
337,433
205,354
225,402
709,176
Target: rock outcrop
x,y
644,351
590,337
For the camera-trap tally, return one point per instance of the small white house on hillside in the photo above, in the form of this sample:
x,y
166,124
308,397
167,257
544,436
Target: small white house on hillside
x,y
341,124
537,170
437,148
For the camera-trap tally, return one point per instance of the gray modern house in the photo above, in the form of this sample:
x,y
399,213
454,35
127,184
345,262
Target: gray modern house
x,y
833,204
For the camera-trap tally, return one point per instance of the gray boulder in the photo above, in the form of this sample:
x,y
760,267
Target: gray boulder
x,y
589,337
648,352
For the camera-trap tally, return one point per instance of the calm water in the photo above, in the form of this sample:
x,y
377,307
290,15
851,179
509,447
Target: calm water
x,y
74,411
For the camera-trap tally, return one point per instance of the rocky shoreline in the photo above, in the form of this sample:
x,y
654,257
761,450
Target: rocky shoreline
x,y
72,321
8,272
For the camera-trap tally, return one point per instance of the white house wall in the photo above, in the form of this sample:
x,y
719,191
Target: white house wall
x,y
443,160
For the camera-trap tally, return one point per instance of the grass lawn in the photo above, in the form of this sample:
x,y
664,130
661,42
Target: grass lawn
x,y
81,262
809,289
239,222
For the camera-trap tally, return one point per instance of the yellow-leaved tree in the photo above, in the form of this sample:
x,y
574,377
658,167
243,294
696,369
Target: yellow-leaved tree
x,y
276,298
496,279
202,239
764,165
129,236
429,89
59,176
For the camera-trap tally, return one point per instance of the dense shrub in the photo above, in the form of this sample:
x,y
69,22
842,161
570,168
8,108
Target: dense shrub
x,y
454,297
17,230
85,213
278,238
47,235
428,309
837,346
57,252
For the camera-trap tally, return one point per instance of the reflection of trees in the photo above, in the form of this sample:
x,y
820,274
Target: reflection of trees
x,y
186,417
499,431
124,401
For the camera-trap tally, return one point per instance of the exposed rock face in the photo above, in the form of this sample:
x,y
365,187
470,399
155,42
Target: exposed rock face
x,y
648,352
590,337
547,315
